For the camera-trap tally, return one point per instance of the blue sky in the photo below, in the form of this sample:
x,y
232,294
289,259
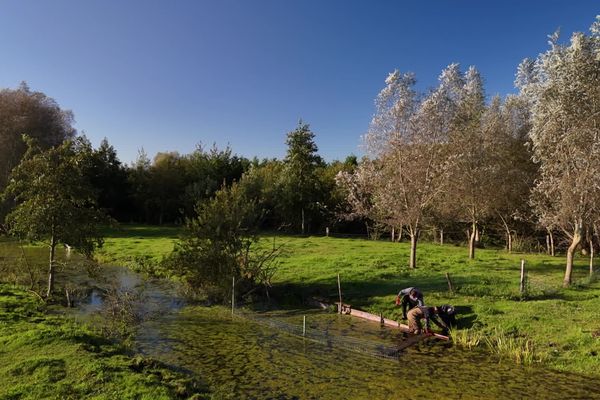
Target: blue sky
x,y
167,75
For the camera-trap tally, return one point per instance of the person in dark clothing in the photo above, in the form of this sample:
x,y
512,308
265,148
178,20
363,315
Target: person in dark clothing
x,y
448,316
442,316
410,298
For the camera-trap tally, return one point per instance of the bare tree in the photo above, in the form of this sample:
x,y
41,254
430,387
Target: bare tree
x,y
563,88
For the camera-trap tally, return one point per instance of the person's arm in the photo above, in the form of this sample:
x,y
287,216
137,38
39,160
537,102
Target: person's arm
x,y
404,306
439,323
420,301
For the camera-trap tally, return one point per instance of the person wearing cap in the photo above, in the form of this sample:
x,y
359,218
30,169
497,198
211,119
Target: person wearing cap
x,y
410,298
442,316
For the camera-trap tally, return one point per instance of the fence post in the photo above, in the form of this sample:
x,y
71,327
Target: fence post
x,y
340,293
522,285
450,286
304,326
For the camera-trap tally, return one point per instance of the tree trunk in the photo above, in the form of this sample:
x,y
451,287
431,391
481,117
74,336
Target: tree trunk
x,y
442,236
548,244
551,243
303,220
393,234
472,241
508,234
591,257
571,251
51,268
414,237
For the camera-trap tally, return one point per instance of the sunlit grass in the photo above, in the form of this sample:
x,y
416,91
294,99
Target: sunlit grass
x,y
46,356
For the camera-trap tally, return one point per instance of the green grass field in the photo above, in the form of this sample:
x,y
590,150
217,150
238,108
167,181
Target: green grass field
x,y
559,324
45,356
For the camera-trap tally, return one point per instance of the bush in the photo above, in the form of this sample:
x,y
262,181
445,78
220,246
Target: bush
x,y
220,245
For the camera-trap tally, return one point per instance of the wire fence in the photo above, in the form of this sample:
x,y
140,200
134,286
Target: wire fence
x,y
335,342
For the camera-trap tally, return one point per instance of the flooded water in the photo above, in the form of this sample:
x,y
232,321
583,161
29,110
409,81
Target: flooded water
x,y
265,356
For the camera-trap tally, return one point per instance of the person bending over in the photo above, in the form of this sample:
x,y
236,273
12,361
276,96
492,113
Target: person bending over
x,y
410,298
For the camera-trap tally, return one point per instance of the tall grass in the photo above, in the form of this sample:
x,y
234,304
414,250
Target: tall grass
x,y
504,344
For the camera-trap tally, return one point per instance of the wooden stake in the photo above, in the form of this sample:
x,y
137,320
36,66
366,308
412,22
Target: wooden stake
x,y
233,295
522,286
304,326
450,286
340,293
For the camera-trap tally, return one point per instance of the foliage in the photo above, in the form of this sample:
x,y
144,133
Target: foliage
x,y
562,88
34,114
300,179
218,247
55,201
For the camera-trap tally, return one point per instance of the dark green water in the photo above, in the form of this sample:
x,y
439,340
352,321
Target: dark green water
x,y
264,356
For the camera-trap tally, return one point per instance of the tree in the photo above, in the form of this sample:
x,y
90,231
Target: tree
x,y
206,171
512,172
406,139
56,203
562,87
167,185
300,178
219,245
469,168
109,177
34,114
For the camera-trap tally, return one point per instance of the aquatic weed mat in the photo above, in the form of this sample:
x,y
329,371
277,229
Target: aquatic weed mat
x,y
336,332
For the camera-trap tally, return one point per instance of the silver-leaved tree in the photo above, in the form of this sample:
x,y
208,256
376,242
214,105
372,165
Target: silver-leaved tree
x,y
563,87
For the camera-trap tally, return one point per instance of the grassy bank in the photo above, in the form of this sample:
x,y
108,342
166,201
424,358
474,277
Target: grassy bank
x,y
45,356
550,324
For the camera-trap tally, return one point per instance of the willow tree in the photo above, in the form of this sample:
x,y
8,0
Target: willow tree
x,y
470,170
56,203
563,85
505,130
406,138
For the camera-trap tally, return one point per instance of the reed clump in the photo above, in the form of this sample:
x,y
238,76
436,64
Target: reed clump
x,y
504,344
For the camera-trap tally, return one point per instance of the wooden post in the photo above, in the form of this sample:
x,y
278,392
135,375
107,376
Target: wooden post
x,y
450,286
340,293
548,244
304,326
327,231
522,286
393,234
442,236
233,295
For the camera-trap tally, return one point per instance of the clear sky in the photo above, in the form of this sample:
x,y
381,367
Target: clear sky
x,y
167,75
